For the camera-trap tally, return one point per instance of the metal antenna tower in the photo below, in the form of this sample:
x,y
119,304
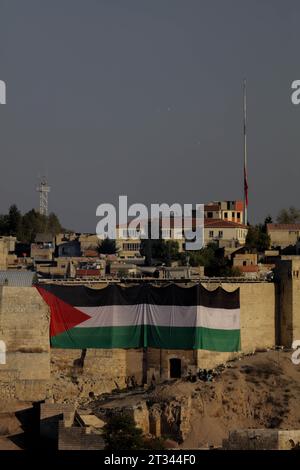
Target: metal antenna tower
x,y
44,190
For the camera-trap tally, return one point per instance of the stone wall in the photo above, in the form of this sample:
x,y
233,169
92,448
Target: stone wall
x,y
51,414
24,326
257,316
288,293
76,438
258,308
262,439
158,362
77,374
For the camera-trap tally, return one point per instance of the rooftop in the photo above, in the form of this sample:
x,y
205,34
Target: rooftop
x,y
283,227
17,278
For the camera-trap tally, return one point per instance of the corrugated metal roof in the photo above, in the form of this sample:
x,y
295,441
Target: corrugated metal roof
x,y
17,278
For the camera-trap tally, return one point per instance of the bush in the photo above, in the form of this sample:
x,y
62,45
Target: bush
x,y
121,433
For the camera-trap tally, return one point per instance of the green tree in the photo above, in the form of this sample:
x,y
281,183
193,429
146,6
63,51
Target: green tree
x,y
53,224
4,224
204,257
121,433
268,220
288,216
32,223
14,220
164,251
214,262
107,247
27,226
257,238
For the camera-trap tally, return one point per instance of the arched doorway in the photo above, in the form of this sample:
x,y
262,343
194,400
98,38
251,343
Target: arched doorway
x,y
175,368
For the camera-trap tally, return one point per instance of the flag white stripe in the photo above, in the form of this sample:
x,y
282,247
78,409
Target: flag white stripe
x,y
161,315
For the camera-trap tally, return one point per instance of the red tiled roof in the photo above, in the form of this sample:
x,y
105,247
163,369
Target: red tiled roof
x,y
213,223
216,223
90,253
283,227
253,268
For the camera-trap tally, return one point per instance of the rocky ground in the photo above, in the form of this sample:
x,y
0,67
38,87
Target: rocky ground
x,y
256,391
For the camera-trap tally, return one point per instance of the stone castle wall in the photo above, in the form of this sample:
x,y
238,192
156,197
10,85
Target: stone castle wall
x,y
24,327
268,311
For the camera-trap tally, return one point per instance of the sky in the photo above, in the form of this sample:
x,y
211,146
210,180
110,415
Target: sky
x,y
144,98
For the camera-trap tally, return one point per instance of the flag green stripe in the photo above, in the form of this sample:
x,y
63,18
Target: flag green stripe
x,y
163,337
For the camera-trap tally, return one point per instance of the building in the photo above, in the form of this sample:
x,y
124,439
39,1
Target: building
x,y
70,248
226,210
7,249
244,259
283,235
43,247
71,267
226,233
65,237
88,241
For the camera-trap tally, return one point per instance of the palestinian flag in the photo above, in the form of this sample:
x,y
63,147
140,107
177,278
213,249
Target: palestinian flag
x,y
170,317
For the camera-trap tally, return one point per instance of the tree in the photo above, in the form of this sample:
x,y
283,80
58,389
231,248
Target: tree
x,y
268,220
121,433
213,259
257,238
161,250
107,247
203,257
14,220
53,224
4,224
25,227
32,223
288,216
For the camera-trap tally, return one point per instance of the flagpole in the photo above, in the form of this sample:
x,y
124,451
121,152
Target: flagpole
x,y
245,157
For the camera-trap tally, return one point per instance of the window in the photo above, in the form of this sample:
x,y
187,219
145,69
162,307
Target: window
x,y
233,215
211,234
131,246
209,215
220,233
133,233
225,215
166,233
238,215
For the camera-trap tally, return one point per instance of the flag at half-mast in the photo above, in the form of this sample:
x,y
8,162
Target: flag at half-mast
x,y
245,151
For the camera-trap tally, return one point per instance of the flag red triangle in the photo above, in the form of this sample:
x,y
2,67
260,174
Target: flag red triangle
x,y
63,316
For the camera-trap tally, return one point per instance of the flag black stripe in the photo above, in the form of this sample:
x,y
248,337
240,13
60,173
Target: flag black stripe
x,y
145,294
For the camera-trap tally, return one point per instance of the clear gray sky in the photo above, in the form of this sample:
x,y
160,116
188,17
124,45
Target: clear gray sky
x,y
144,98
